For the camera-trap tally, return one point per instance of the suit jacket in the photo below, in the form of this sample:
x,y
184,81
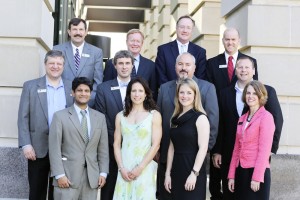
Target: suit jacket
x,y
229,118
146,70
33,114
91,64
253,144
109,102
69,154
165,102
219,76
166,60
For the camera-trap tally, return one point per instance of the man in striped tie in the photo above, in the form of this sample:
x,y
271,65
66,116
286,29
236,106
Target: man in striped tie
x,y
82,58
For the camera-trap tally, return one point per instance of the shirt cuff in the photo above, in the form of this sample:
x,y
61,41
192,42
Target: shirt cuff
x,y
59,176
27,145
103,174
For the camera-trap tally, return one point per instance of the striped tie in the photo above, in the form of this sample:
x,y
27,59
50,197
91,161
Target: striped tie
x,y
84,126
77,59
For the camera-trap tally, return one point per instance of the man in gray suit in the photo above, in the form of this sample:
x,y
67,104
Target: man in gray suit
x,y
109,100
79,147
185,68
82,58
39,100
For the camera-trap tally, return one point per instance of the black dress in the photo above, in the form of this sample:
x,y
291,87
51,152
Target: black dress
x,y
184,137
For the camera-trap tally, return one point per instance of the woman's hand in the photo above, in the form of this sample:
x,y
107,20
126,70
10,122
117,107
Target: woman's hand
x,y
167,183
255,186
135,172
231,185
190,182
125,174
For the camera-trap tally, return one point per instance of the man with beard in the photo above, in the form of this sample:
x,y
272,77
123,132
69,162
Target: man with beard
x,y
81,58
185,68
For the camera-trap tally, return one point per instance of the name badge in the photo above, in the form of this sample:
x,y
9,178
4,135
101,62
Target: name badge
x,y
64,158
85,55
115,88
222,66
41,90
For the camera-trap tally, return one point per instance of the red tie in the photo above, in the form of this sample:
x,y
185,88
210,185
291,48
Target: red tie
x,y
230,68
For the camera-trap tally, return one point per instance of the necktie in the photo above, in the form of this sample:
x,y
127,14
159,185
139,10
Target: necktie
x,y
77,59
123,84
84,126
230,68
182,48
133,72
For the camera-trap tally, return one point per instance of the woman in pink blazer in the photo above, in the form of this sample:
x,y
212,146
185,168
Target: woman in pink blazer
x,y
249,172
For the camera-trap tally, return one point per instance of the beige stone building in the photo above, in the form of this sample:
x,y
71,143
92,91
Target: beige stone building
x,y
269,29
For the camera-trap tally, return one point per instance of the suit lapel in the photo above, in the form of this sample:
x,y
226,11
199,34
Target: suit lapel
x,y
174,49
42,94
75,121
224,71
69,98
142,69
70,57
172,91
84,56
232,102
116,94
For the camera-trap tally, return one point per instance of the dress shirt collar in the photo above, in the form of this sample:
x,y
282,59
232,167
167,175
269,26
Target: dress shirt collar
x,y
234,57
122,83
61,84
80,48
77,109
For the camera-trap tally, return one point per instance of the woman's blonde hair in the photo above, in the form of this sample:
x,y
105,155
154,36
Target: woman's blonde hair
x,y
197,101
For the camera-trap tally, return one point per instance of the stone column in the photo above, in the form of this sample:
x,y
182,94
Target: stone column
x,y
25,37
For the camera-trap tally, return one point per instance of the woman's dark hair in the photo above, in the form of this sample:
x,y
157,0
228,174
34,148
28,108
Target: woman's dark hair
x,y
149,103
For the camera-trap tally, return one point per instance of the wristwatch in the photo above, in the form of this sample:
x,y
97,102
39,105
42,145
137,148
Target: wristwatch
x,y
195,172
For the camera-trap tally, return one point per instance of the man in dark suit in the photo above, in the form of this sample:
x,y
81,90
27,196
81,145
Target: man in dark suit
x,y
167,53
82,58
218,73
143,67
39,100
185,68
78,147
231,108
110,101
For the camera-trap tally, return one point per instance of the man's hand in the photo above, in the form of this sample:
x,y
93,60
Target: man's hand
x,y
29,152
63,182
217,160
102,181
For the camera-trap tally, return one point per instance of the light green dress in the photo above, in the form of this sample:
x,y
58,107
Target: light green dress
x,y
136,141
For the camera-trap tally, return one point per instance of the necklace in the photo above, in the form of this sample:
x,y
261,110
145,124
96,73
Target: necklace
x,y
250,117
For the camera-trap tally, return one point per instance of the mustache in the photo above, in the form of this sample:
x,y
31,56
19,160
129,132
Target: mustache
x,y
77,35
183,71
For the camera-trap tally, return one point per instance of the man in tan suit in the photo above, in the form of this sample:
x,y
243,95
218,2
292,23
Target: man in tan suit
x,y
78,147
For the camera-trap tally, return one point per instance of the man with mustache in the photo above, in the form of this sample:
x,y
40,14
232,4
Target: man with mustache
x,y
185,68
82,58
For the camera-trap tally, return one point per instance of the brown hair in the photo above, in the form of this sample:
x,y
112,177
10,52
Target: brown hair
x,y
260,91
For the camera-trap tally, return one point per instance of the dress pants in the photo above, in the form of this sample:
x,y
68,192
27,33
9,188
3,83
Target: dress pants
x,y
243,190
227,194
38,177
214,181
83,192
107,191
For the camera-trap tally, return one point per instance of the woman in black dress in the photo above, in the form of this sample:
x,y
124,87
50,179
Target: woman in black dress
x,y
185,173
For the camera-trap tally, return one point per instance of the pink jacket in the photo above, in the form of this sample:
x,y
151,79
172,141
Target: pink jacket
x,y
252,146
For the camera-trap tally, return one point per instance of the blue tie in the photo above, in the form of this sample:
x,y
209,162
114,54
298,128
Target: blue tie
x,y
77,59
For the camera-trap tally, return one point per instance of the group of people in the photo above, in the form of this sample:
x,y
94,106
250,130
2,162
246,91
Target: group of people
x,y
141,129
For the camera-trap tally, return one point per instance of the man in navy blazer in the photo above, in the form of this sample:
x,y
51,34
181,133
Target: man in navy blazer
x,y
217,73
110,101
167,53
185,68
216,70
231,108
144,67
40,98
89,61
